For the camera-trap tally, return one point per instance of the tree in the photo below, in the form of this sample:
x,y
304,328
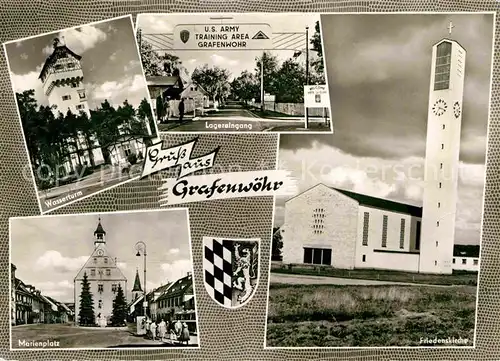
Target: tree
x,y
277,245
214,80
119,308
270,64
289,82
157,65
245,87
86,314
318,76
145,114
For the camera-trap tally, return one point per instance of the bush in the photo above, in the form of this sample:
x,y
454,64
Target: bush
x,y
83,170
132,158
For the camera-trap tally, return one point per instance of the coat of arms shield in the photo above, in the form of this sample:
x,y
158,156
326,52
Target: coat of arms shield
x,y
231,269
184,34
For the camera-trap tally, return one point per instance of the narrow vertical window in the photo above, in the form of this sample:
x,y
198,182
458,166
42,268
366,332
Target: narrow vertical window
x,y
366,224
402,234
442,68
417,236
384,232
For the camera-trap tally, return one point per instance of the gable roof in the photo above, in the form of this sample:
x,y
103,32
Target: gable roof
x,y
179,287
58,52
137,283
382,203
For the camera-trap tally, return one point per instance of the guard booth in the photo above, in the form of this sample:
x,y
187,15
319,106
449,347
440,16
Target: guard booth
x,y
141,325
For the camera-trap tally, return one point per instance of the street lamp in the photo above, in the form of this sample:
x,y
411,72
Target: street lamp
x,y
141,248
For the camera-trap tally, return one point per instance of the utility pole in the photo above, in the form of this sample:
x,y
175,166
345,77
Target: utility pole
x,y
262,82
306,110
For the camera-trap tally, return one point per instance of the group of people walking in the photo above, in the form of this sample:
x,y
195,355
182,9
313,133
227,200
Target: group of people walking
x,y
175,331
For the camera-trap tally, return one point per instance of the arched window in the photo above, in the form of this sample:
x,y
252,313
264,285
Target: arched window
x,y
442,69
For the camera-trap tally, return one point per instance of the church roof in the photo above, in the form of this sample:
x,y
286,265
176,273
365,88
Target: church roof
x,y
99,229
137,283
59,51
382,203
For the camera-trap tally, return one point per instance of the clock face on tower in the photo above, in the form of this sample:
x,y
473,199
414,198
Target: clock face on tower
x,y
100,252
456,109
439,107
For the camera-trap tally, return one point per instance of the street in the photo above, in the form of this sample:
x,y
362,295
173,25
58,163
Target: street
x,y
70,336
234,118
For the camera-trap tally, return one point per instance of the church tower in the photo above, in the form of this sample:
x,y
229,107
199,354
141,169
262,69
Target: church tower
x,y
137,290
62,79
104,277
442,156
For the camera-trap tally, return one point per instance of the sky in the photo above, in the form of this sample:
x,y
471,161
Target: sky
x,y
378,70
110,61
49,251
234,61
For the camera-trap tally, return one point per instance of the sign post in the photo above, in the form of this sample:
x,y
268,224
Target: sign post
x,y
315,96
222,37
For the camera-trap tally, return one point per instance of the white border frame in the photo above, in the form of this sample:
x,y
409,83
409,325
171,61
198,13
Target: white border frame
x,y
148,98
115,349
487,150
263,14
235,240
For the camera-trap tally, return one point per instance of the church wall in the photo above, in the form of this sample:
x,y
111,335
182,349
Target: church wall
x,y
366,255
321,218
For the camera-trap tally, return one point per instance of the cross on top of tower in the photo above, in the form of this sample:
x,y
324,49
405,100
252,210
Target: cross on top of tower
x,y
450,27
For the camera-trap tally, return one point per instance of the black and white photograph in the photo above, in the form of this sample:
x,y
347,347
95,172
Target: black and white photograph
x,y
84,108
235,72
380,247
109,280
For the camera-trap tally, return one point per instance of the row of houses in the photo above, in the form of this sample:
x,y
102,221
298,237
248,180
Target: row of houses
x,y
29,305
170,302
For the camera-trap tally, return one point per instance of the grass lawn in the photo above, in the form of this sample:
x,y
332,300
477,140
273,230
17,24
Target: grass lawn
x,y
458,278
347,316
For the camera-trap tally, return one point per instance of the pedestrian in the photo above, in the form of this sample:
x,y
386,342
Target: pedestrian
x,y
178,328
148,327
162,329
181,110
153,330
184,336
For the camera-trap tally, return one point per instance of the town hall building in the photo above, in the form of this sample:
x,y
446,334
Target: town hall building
x,y
104,277
335,227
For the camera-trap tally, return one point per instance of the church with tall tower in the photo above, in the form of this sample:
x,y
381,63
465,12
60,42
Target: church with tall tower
x,y
442,150
336,227
104,277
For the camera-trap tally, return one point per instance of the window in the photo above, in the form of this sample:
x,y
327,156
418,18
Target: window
x,y
100,304
126,149
475,262
106,260
100,288
439,204
108,272
464,260
80,106
437,243
435,263
92,272
402,234
70,65
58,67
74,85
318,256
364,258
366,224
442,146
453,261
384,231
444,126
440,165
66,97
437,224
440,185
114,287
95,260
417,236
81,93
443,62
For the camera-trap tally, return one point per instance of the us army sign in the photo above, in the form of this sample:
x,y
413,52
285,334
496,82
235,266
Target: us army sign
x,y
222,37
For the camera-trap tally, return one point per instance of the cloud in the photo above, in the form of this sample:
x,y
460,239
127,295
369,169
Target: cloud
x,y
22,82
177,269
131,88
57,262
131,65
80,39
155,24
112,57
174,251
121,265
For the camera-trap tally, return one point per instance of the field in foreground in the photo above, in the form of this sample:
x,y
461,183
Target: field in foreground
x,y
347,316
